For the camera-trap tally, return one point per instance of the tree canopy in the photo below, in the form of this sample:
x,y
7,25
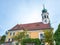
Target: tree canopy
x,y
49,37
2,39
57,35
20,36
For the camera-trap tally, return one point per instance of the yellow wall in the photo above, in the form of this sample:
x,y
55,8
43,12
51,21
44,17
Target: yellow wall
x,y
32,34
10,36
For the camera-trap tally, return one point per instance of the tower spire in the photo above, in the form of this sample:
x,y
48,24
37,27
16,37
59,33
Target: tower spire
x,y
44,10
43,6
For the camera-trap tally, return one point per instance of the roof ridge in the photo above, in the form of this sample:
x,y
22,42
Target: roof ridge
x,y
30,23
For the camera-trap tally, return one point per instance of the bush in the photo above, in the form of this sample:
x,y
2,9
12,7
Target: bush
x,y
35,41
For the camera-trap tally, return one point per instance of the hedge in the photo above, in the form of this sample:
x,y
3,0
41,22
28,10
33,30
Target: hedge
x,y
36,41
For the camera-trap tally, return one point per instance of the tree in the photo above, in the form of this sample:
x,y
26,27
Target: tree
x,y
2,39
20,36
57,35
49,37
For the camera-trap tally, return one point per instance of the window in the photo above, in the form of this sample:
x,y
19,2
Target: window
x,y
10,33
9,40
6,33
41,35
27,36
13,33
12,39
47,16
44,16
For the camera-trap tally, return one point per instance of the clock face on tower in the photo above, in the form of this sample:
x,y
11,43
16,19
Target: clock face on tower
x,y
46,21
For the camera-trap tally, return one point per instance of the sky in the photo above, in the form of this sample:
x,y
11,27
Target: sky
x,y
14,12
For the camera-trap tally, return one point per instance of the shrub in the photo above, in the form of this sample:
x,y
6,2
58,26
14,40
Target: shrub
x,y
36,41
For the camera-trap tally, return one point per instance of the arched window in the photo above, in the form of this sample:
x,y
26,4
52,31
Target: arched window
x,y
44,16
13,33
9,40
12,39
47,16
10,33
41,35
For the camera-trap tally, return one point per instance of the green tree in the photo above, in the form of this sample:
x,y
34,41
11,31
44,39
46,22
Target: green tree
x,y
20,36
2,39
57,35
49,37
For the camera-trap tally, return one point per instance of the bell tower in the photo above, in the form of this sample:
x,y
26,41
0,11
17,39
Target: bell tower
x,y
45,16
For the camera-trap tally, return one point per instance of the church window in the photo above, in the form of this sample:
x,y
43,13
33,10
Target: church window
x,y
47,16
44,16
41,36
9,40
27,35
12,39
13,33
10,33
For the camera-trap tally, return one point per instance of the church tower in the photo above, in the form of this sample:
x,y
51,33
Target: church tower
x,y
45,16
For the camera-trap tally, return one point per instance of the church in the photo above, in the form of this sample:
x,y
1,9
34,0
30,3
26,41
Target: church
x,y
35,30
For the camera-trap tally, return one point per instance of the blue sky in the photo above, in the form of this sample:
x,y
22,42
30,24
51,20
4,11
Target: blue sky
x,y
14,12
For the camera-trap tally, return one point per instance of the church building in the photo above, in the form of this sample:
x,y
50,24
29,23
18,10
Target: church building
x,y
35,30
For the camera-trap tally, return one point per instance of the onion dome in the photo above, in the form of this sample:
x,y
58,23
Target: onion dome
x,y
44,10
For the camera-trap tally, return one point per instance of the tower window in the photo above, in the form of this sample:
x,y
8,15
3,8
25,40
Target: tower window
x,y
44,16
47,16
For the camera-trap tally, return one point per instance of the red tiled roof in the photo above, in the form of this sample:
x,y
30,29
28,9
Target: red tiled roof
x,y
31,26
